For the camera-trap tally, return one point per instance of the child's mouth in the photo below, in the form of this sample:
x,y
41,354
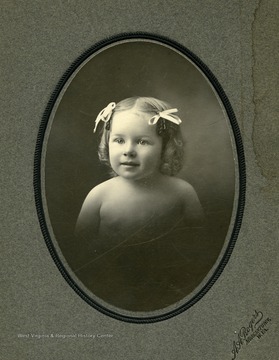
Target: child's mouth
x,y
129,163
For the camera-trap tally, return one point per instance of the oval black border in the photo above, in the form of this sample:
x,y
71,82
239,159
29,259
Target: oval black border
x,y
241,169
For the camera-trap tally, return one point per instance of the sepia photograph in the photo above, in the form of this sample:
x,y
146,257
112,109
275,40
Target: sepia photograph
x,y
139,182
140,178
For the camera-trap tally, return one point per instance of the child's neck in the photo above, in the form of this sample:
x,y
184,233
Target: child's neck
x,y
144,183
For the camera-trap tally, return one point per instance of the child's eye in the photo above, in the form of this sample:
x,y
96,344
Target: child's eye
x,y
143,142
119,141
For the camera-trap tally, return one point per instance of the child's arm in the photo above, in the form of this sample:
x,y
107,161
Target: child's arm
x,y
193,212
86,230
88,221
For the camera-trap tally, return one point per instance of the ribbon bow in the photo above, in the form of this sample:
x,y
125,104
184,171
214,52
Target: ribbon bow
x,y
104,115
167,115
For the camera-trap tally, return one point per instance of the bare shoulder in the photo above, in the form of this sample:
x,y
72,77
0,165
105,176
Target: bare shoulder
x,y
191,203
182,187
98,192
89,216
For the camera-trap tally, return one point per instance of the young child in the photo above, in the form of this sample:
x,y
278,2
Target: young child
x,y
143,202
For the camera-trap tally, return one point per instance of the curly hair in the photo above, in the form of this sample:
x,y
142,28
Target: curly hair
x,y
172,142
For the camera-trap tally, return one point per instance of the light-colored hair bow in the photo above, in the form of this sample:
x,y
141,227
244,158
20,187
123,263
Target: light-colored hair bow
x,y
167,115
104,115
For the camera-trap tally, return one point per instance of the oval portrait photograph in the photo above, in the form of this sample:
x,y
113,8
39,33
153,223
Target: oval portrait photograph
x,y
137,178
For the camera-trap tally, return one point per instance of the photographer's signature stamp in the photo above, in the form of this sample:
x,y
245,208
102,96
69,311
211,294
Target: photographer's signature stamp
x,y
256,329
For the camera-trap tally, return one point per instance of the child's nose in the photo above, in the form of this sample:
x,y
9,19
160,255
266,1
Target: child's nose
x,y
129,150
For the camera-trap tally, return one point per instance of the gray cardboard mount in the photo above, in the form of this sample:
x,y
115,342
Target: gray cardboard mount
x,y
238,41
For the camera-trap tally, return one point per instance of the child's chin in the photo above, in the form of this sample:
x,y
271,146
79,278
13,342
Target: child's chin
x,y
131,176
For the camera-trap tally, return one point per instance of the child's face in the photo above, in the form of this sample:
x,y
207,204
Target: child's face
x,y
134,146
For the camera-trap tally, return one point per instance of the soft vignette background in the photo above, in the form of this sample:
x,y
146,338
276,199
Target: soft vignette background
x,y
39,40
71,162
